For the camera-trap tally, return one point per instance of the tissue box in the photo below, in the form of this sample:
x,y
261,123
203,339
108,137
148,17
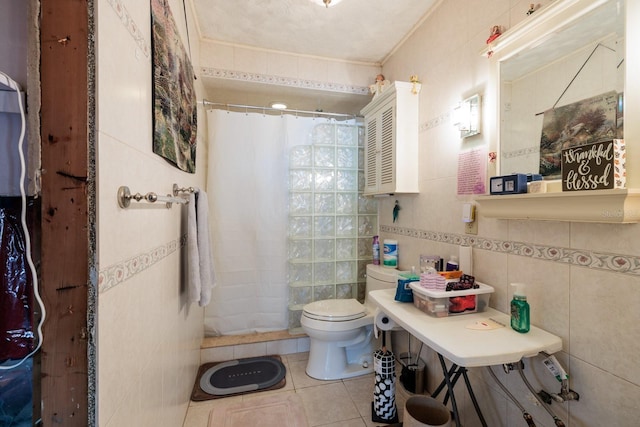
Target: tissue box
x,y
537,187
451,303
403,290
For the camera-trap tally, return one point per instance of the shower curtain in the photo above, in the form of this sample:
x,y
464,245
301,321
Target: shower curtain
x,y
248,196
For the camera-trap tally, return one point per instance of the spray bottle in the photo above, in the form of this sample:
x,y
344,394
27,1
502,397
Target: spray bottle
x,y
376,250
520,309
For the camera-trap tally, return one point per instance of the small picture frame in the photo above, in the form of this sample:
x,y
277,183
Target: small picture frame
x,y
430,261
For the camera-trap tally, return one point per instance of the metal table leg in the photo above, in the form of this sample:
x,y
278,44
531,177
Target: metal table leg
x,y
443,383
451,377
447,379
473,398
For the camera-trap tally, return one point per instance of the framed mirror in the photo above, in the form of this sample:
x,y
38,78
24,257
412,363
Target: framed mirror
x,y
559,78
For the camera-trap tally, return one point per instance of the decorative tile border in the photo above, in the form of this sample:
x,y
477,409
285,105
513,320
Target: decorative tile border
x,y
131,26
116,274
436,121
283,81
521,152
615,263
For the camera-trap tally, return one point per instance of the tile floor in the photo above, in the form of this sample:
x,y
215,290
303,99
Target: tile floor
x,y
339,403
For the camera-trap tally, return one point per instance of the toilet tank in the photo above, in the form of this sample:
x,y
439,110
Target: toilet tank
x,y
379,277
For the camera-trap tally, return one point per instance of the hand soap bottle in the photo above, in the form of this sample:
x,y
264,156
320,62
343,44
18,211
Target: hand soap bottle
x,y
519,309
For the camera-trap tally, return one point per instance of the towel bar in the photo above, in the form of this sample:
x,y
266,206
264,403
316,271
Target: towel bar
x,y
125,197
177,190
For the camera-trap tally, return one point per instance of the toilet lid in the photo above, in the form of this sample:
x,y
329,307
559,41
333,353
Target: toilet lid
x,y
335,310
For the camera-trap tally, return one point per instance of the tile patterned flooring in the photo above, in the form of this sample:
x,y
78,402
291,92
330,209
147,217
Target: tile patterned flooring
x,y
339,403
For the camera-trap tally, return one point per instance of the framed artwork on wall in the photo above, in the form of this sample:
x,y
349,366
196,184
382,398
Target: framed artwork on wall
x,y
579,123
174,96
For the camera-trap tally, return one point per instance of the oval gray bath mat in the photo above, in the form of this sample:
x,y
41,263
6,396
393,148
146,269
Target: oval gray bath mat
x,y
239,376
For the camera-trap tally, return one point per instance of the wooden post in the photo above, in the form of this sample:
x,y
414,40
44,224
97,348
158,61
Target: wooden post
x,y
64,44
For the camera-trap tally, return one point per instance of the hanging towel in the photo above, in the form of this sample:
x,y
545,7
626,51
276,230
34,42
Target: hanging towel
x,y
200,274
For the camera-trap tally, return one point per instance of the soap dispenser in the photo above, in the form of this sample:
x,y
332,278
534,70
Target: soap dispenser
x,y
519,309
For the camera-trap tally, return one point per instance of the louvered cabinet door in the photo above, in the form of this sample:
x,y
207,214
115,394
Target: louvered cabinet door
x,y
391,142
380,151
387,150
372,155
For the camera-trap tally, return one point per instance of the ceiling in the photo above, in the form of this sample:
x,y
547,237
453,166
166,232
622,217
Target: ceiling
x,y
364,31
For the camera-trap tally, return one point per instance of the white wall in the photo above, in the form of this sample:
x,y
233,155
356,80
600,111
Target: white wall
x,y
583,278
13,40
13,62
148,335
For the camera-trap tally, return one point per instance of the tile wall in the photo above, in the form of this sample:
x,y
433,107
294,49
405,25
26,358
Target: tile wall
x,y
149,336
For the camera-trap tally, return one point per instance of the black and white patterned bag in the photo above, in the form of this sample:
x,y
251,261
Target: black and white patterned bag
x,y
384,393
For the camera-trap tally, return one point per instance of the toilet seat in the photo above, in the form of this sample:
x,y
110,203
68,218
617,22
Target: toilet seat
x,y
335,310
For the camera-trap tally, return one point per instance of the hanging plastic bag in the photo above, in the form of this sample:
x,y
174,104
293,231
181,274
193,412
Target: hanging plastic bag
x,y
15,285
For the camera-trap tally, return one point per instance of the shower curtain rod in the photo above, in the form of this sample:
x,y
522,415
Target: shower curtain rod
x,y
285,110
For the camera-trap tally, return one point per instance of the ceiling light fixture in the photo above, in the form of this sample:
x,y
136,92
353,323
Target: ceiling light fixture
x,y
326,3
279,105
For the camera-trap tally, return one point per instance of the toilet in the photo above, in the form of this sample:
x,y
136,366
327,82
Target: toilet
x,y
341,330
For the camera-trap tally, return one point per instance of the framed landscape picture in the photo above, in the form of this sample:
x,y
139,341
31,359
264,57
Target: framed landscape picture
x,y
583,122
174,97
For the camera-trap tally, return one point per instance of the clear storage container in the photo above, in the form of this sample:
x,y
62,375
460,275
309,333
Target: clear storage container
x,y
450,303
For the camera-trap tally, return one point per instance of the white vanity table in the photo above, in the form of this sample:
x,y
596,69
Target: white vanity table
x,y
451,338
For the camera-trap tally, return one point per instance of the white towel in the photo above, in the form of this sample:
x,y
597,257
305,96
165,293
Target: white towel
x,y
200,274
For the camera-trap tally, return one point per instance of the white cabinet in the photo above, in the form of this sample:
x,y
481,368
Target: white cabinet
x,y
391,140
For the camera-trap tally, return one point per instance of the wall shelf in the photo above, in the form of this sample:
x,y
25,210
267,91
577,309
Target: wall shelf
x,y
601,206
